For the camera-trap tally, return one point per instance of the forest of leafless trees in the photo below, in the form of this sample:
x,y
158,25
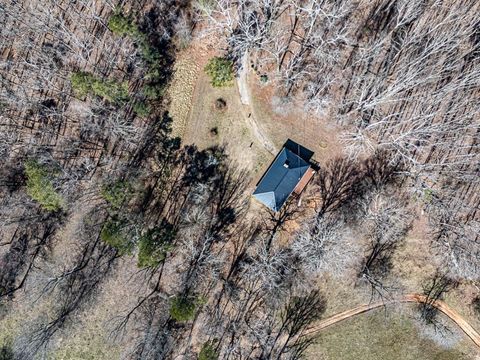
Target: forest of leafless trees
x,y
404,78
92,180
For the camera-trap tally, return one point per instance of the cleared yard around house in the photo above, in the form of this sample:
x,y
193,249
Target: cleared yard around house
x,y
248,131
209,126
198,120
280,121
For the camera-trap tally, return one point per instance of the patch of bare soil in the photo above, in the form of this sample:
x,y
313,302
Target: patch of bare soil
x,y
246,99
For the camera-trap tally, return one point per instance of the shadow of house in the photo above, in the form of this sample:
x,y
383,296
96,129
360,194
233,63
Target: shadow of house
x,y
290,172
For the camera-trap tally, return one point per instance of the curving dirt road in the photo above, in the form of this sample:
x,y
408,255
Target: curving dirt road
x,y
409,298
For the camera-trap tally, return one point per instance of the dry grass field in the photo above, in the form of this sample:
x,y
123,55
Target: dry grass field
x,y
392,336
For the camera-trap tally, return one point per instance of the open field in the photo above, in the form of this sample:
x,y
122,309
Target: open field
x,y
208,126
379,336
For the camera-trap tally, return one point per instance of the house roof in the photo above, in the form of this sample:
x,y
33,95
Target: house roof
x,y
281,178
298,149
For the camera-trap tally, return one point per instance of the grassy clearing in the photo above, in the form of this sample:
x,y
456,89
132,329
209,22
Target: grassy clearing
x,y
181,93
371,336
230,123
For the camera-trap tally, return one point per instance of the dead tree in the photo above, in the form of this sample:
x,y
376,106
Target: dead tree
x,y
386,223
337,183
434,290
327,246
289,341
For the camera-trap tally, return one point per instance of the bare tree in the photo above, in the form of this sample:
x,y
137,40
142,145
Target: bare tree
x,y
386,224
434,290
337,183
327,245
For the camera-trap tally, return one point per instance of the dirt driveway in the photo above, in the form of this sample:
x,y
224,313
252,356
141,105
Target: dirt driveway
x,y
409,298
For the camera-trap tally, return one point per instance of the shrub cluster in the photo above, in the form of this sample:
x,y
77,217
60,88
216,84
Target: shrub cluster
x,y
208,352
121,24
113,234
85,83
154,245
40,187
116,193
220,71
183,308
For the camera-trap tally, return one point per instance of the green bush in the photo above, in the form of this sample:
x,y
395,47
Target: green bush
x,y
208,352
111,90
122,25
428,195
154,73
40,187
142,109
84,83
153,91
112,234
116,193
6,353
154,245
151,55
183,308
220,71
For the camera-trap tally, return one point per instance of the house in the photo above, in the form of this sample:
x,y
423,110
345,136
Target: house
x,y
289,173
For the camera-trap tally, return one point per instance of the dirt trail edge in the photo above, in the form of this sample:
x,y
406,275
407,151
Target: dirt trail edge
x,y
246,100
409,298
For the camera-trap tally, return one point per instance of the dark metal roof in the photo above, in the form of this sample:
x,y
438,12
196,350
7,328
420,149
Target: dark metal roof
x,y
283,175
298,149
